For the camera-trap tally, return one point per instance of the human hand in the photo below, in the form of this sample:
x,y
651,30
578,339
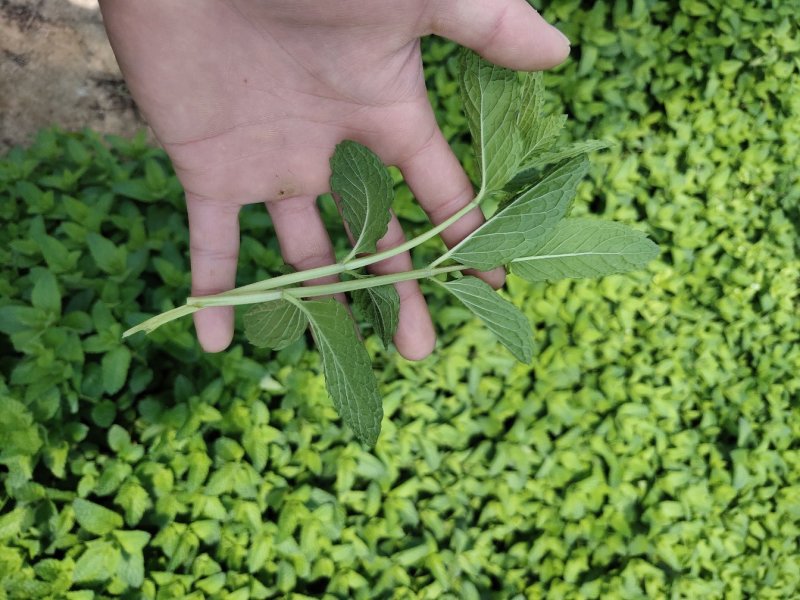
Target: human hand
x,y
250,97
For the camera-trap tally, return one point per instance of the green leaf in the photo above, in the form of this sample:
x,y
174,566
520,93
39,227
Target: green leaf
x,y
521,224
55,253
132,541
115,367
347,368
381,307
118,438
98,563
95,518
14,319
45,294
537,132
275,324
12,523
134,500
503,318
530,169
586,248
364,188
490,95
131,569
108,257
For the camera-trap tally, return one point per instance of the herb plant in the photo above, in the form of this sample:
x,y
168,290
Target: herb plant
x,y
523,170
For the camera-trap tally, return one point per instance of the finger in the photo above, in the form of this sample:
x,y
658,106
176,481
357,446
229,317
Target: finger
x,y
506,32
302,237
442,188
415,336
213,251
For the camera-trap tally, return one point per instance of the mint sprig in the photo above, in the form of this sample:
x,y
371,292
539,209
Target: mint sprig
x,y
520,162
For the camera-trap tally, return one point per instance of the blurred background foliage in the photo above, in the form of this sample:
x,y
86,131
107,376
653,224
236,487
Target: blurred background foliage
x,y
649,451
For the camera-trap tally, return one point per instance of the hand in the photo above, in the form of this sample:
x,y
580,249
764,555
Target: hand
x,y
250,97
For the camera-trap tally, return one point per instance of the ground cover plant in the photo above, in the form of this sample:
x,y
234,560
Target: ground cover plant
x,y
650,449
520,165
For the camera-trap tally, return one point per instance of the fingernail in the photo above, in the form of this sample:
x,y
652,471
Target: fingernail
x,y
564,37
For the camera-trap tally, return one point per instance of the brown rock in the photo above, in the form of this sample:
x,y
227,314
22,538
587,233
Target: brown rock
x,y
57,68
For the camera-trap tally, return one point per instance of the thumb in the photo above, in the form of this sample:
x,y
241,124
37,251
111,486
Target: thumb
x,y
509,33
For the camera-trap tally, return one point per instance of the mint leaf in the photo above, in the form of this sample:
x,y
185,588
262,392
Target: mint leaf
x,y
115,367
109,257
586,248
347,368
537,132
490,95
95,518
518,227
364,188
530,169
274,324
503,318
381,307
98,563
132,541
131,569
13,522
45,294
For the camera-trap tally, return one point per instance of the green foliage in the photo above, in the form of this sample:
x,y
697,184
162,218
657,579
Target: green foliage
x,y
649,450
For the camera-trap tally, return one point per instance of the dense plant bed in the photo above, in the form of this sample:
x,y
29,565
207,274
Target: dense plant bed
x,y
649,450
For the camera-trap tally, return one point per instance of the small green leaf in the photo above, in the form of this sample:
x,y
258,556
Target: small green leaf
x,y
381,307
95,518
131,569
530,170
132,541
45,294
108,257
365,191
134,500
521,224
503,318
347,368
12,523
490,95
537,131
586,248
115,367
118,438
258,553
14,319
98,563
55,253
275,324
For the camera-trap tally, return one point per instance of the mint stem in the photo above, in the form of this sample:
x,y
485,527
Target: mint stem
x,y
238,298
351,265
246,294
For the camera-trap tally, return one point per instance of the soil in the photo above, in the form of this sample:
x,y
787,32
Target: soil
x,y
57,68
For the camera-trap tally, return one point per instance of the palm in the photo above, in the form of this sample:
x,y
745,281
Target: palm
x,y
249,99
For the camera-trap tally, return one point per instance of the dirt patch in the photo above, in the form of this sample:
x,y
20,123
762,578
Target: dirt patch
x,y
57,68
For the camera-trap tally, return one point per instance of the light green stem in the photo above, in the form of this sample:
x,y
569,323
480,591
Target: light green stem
x,y
246,293
240,298
351,265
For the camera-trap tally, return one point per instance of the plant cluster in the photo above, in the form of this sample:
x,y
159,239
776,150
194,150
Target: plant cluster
x,y
521,165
